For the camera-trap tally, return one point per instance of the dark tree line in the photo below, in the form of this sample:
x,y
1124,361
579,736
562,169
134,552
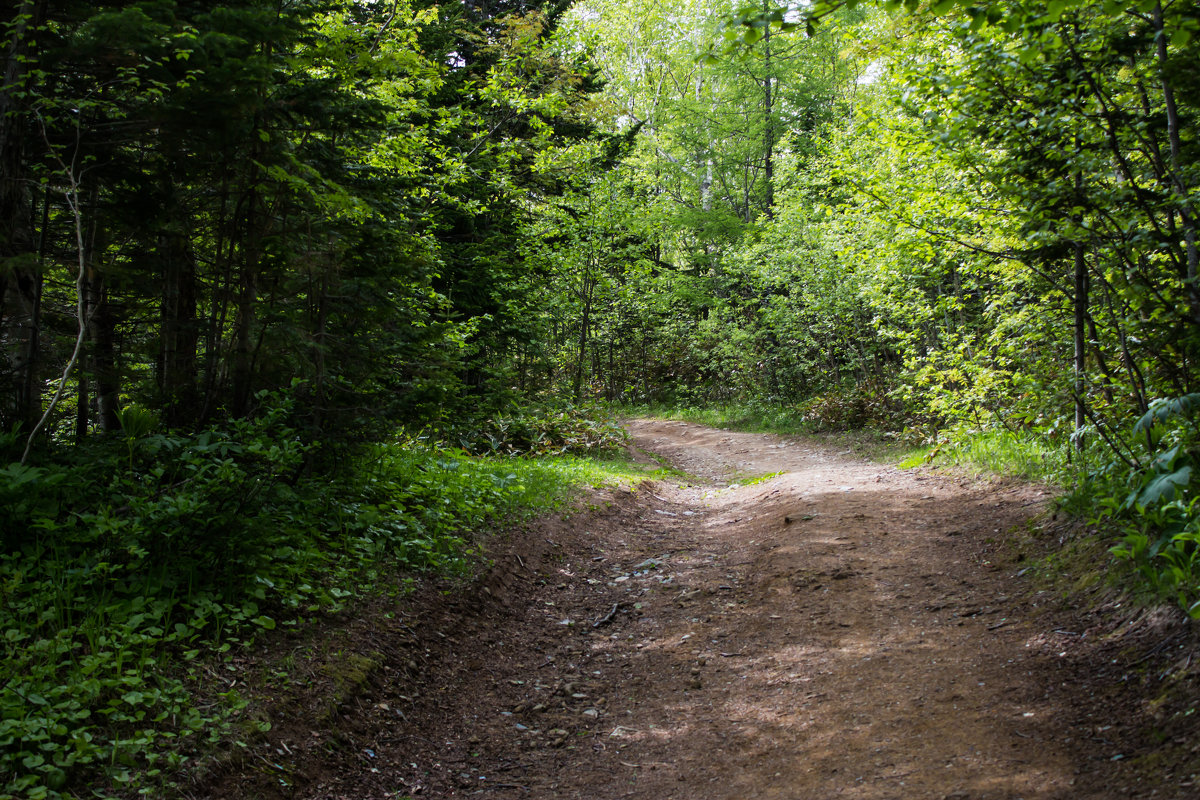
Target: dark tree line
x,y
217,199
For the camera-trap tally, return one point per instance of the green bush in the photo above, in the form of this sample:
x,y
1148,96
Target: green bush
x,y
535,431
1159,512
119,567
865,404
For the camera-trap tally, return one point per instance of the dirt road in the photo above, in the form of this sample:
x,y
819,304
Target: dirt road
x,y
838,629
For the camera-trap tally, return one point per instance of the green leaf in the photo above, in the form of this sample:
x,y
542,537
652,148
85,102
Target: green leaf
x,y
1055,9
1165,486
1163,410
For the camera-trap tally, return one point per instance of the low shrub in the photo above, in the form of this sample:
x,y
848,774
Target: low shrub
x,y
866,404
1155,504
539,431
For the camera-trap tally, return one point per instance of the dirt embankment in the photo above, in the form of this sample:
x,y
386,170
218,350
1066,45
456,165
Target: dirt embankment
x,y
841,629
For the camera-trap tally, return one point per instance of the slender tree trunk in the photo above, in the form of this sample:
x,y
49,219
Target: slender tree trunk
x,y
704,165
180,330
255,220
769,125
1187,211
83,389
179,327
102,333
246,306
1079,331
101,325
75,206
584,323
244,342
1080,339
82,406
610,395
20,280
320,343
219,294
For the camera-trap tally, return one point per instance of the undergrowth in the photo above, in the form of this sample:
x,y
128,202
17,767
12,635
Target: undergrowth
x,y
536,431
1149,495
131,571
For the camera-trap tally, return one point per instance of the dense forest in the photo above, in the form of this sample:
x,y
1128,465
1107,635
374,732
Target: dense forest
x,y
272,271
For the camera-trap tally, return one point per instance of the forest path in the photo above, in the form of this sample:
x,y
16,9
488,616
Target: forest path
x,y
686,640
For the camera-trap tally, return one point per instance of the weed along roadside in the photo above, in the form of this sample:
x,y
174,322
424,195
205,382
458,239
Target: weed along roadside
x,y
681,638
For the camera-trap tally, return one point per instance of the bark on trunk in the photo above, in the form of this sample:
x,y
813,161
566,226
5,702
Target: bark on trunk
x,y
1080,339
20,278
180,328
1187,211
101,328
769,127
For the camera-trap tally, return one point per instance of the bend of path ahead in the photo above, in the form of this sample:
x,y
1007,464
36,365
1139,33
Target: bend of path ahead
x,y
794,623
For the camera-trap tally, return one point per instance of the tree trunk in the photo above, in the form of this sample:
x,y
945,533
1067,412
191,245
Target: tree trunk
x,y
1187,211
101,325
101,330
243,341
1080,338
584,324
20,278
180,334
246,304
768,127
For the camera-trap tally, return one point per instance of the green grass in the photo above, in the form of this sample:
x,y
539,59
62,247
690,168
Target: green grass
x,y
1021,454
546,483
739,417
1005,453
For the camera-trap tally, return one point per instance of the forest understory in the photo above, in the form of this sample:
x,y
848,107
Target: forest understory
x,y
784,620
300,300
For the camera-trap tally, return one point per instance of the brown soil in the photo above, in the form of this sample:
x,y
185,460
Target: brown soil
x,y
843,629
